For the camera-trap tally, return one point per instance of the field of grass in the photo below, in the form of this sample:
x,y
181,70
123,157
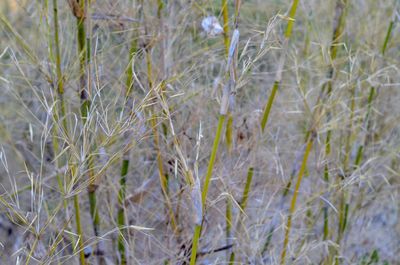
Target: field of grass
x,y
133,132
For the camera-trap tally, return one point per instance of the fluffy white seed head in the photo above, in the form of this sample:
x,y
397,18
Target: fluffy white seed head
x,y
211,26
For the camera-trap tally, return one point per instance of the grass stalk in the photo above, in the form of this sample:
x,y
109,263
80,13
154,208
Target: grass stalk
x,y
79,11
60,81
360,149
126,156
206,185
278,77
234,76
229,123
246,190
195,243
153,124
60,113
56,151
93,209
372,92
337,33
340,16
213,156
388,34
389,30
225,16
86,103
274,90
344,203
268,106
228,220
243,203
60,91
121,210
294,198
222,116
79,230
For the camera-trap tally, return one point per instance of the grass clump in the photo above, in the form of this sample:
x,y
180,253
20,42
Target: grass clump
x,y
199,132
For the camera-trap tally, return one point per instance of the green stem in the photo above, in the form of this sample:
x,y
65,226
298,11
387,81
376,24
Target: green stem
x,y
372,91
60,85
228,131
60,112
268,106
274,90
292,14
81,35
196,237
337,33
153,119
60,81
339,23
294,198
212,160
121,210
246,190
344,206
288,33
79,230
225,15
228,220
388,34
243,203
94,213
126,159
161,172
204,192
60,91
360,149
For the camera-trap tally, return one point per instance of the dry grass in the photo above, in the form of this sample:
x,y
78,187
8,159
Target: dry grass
x,y
156,87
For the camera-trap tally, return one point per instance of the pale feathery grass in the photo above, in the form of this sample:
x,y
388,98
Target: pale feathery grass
x,y
45,163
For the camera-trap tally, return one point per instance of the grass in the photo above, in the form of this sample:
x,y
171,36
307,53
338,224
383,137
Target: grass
x,y
198,227
121,216
130,135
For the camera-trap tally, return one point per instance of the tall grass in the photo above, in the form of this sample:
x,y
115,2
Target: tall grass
x,y
339,22
129,86
132,134
85,105
271,98
311,133
198,227
344,200
281,64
